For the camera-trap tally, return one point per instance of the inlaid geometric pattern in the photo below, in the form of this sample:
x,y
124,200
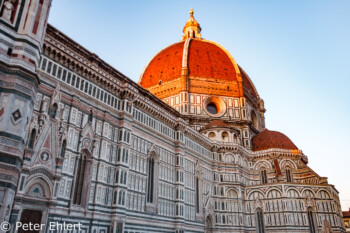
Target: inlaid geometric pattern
x,y
16,115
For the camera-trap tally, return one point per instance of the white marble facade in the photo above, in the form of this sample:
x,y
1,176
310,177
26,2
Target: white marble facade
x,y
100,150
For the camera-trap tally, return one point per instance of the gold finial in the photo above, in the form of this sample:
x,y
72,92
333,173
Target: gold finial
x,y
192,29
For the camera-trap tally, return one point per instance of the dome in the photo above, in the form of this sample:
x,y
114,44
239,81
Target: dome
x,y
201,58
272,139
195,65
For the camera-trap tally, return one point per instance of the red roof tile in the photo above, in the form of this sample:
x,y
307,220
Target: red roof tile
x,y
248,83
165,66
346,213
205,60
216,123
272,139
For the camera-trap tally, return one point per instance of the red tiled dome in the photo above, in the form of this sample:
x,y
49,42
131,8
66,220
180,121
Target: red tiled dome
x,y
197,66
272,139
165,66
204,58
247,83
207,60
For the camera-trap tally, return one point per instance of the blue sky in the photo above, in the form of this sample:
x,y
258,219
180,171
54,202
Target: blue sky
x,y
296,53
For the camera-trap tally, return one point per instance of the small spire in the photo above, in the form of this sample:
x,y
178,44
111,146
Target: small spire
x,y
192,29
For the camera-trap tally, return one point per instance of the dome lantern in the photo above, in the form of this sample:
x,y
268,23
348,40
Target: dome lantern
x,y
192,29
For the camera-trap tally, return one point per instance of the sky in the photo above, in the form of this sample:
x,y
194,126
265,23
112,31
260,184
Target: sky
x,y
295,52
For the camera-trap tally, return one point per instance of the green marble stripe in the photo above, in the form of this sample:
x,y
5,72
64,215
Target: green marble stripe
x,y
10,160
8,185
12,136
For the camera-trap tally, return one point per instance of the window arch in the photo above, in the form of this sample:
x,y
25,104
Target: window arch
x,y
260,221
263,176
208,224
150,178
53,110
79,179
310,217
212,135
224,136
229,158
63,148
32,139
235,138
288,175
81,183
197,195
232,194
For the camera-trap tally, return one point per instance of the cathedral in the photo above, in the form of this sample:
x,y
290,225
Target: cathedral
x,y
184,150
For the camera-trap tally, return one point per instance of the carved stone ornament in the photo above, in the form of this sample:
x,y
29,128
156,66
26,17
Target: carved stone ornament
x,y
258,203
309,202
7,10
44,157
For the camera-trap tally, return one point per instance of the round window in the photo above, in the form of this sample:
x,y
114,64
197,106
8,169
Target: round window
x,y
212,108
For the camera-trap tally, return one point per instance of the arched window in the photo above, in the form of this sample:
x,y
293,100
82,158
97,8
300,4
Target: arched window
x,y
63,148
288,175
224,136
79,179
260,221
115,197
53,110
208,225
212,135
197,195
194,34
90,116
235,138
150,189
263,176
311,221
32,139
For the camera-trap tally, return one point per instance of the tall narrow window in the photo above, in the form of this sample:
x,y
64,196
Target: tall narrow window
x,y
311,221
263,176
150,180
197,195
260,221
32,139
288,175
79,179
53,110
63,148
